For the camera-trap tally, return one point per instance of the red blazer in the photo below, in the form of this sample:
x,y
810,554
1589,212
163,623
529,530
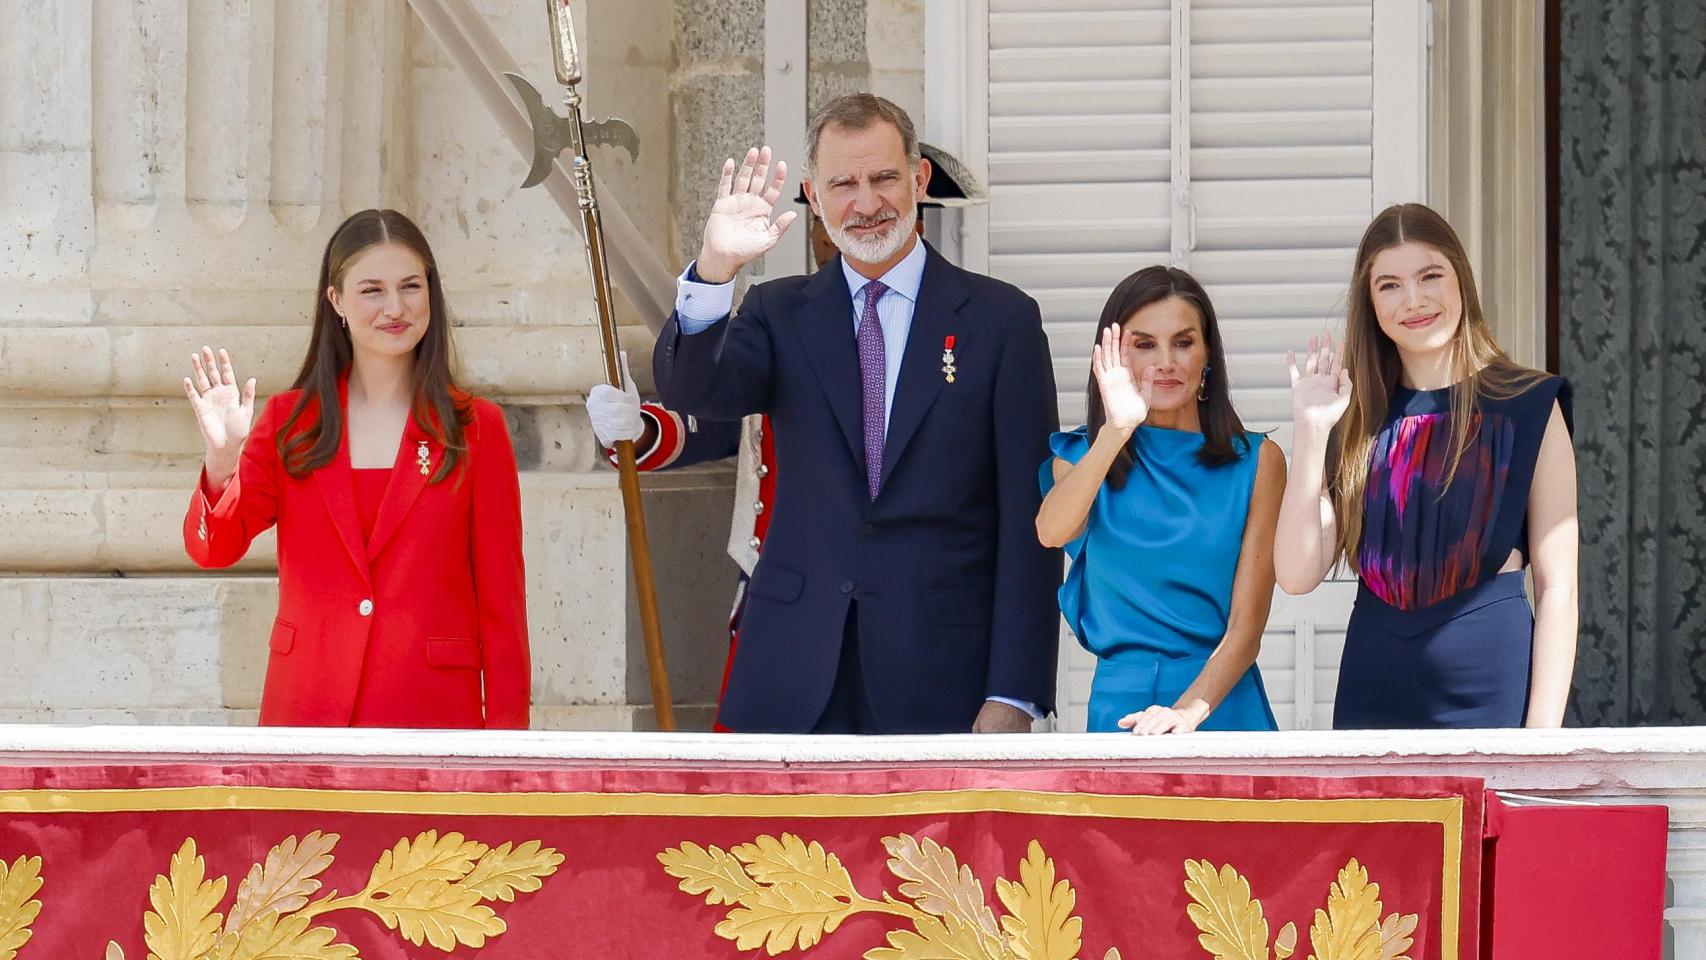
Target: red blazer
x,y
425,624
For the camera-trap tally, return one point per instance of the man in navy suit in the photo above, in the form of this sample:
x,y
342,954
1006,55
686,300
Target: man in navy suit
x,y
901,588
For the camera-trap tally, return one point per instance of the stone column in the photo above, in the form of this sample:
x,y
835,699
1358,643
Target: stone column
x,y
1489,165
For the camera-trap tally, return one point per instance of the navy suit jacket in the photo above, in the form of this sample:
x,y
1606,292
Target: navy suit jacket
x,y
956,597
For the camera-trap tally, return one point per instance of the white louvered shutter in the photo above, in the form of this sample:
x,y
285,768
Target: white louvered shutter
x,y
1281,187
1080,140
1237,139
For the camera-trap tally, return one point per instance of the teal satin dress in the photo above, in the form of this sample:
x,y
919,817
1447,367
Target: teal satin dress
x,y
1149,590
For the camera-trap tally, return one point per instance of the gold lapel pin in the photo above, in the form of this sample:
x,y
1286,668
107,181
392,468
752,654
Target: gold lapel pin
x,y
424,458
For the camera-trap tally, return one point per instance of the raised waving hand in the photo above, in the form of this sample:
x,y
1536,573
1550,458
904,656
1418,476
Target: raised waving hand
x,y
739,229
1321,390
1125,397
223,410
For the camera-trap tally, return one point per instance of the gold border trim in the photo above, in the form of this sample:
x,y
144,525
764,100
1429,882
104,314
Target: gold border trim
x,y
1448,812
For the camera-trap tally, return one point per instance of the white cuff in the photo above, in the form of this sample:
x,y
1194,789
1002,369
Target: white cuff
x,y
700,305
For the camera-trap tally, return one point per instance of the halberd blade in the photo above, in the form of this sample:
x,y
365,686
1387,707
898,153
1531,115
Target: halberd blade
x,y
550,132
612,132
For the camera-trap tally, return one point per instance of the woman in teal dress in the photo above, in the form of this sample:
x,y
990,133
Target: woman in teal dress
x,y
1166,507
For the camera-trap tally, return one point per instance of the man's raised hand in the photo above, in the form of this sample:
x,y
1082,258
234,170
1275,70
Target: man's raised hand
x,y
739,229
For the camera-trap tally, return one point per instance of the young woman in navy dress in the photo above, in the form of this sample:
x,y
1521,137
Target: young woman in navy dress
x,y
1439,469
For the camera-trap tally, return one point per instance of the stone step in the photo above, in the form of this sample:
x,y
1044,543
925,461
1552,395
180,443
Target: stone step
x,y
132,521
193,649
689,717
57,436
132,360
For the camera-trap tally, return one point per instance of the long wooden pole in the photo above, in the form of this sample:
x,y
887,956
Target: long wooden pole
x,y
628,472
633,509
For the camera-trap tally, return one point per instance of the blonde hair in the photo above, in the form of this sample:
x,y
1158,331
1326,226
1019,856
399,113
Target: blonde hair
x,y
1479,366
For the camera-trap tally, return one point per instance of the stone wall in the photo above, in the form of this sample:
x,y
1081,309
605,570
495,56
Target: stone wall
x,y
717,87
169,173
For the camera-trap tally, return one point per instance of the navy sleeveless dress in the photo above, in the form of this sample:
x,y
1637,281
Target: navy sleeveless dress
x,y
1439,637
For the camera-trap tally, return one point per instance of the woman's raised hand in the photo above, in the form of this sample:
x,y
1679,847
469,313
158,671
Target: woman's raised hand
x,y
739,229
222,410
1321,391
1125,401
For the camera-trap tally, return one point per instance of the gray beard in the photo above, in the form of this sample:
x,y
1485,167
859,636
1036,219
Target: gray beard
x,y
875,249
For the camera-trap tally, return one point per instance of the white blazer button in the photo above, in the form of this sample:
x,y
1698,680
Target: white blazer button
x,y
753,543
758,506
366,608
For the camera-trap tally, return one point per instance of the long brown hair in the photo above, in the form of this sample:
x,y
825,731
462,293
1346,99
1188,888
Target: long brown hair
x,y
440,408
1479,367
1221,428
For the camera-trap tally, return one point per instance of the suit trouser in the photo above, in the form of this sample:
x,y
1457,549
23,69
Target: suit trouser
x,y
848,710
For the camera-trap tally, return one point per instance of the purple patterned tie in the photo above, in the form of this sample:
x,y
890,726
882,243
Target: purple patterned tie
x,y
872,377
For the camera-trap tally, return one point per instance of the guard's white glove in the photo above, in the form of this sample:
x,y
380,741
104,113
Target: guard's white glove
x,y
615,414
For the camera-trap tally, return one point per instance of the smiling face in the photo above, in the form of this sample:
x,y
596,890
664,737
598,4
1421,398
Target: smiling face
x,y
866,192
383,298
1167,335
1417,299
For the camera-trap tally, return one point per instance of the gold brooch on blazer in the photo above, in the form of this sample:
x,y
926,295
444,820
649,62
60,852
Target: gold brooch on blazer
x,y
424,458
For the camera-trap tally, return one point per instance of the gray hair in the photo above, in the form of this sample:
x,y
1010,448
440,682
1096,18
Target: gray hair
x,y
859,111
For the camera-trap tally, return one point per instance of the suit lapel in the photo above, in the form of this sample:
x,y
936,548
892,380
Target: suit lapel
x,y
336,484
407,482
934,318
825,327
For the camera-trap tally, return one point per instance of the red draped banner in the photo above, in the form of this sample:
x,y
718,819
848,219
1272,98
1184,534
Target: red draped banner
x,y
254,861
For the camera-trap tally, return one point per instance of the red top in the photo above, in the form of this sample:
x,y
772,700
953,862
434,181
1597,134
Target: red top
x,y
370,485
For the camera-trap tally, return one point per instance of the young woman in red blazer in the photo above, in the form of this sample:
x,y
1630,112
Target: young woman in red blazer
x,y
401,593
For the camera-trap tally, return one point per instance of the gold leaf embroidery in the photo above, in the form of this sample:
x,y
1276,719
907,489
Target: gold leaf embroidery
x,y
1395,937
284,881
440,913
429,857
183,924
782,915
939,885
707,870
271,936
18,906
430,889
502,872
947,938
789,894
1040,923
792,860
1349,929
1231,923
